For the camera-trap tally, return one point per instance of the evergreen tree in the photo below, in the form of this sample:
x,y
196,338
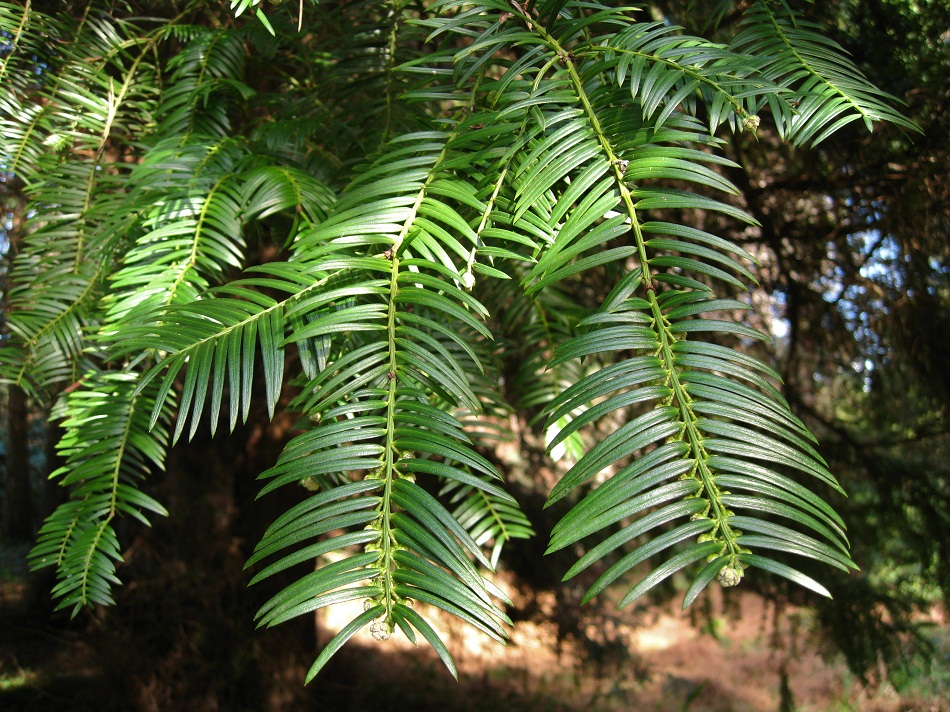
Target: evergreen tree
x,y
412,220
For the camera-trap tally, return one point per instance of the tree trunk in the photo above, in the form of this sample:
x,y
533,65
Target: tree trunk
x,y
18,500
54,494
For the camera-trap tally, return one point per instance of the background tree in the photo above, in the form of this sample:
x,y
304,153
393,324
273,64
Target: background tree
x,y
856,234
441,214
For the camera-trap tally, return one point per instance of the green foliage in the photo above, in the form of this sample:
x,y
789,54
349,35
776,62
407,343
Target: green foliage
x,y
109,450
434,195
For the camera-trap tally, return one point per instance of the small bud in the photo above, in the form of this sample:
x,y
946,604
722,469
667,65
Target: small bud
x,y
729,576
380,630
468,281
750,123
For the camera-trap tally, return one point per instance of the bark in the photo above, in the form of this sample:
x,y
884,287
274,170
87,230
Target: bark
x,y
17,500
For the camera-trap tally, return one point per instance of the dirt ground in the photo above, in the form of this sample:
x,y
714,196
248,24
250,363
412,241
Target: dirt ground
x,y
739,656
745,657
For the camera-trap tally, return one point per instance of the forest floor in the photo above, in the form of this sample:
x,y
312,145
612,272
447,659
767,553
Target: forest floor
x,y
740,655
